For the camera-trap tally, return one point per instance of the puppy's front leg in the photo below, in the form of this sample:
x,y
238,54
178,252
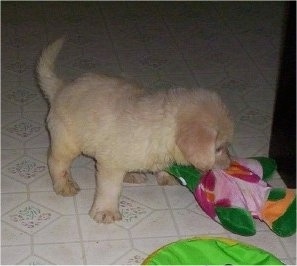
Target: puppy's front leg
x,y
105,208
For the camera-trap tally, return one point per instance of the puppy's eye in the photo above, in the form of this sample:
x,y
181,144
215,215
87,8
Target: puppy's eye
x,y
219,149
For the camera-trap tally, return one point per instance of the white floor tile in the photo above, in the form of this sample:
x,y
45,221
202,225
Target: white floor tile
x,y
92,231
84,177
159,223
9,185
290,245
34,260
62,230
265,240
84,200
179,196
132,212
9,107
106,252
38,105
44,183
41,141
60,254
25,169
62,205
11,200
11,236
30,217
14,254
133,257
150,196
149,245
191,224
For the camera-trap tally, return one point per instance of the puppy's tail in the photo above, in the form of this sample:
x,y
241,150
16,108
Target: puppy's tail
x,y
48,80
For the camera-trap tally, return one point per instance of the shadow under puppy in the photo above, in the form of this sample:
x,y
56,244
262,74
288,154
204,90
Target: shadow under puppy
x,y
127,129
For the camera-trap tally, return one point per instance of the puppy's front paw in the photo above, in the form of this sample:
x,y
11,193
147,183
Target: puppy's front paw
x,y
105,217
67,188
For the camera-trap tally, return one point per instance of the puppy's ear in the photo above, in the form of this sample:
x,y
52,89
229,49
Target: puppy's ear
x,y
197,144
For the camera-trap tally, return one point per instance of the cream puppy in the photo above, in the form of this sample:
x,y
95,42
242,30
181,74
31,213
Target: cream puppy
x,y
127,129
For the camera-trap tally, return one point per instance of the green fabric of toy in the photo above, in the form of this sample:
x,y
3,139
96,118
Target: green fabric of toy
x,y
235,196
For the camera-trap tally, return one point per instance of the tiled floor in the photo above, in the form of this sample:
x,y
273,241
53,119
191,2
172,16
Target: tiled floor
x,y
230,47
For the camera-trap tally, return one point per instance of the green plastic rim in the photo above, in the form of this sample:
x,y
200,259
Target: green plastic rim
x,y
210,251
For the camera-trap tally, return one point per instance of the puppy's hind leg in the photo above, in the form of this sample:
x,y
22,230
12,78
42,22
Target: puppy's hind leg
x,y
135,178
59,162
105,208
165,179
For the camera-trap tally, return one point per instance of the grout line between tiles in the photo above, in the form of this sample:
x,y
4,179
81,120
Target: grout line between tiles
x,y
171,212
285,249
82,246
86,241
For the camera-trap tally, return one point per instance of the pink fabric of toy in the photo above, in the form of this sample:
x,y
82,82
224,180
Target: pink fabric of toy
x,y
238,186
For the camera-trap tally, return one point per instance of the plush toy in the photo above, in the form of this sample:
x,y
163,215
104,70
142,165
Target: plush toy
x,y
234,196
201,250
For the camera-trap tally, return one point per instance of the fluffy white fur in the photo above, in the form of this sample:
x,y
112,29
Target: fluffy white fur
x,y
127,129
